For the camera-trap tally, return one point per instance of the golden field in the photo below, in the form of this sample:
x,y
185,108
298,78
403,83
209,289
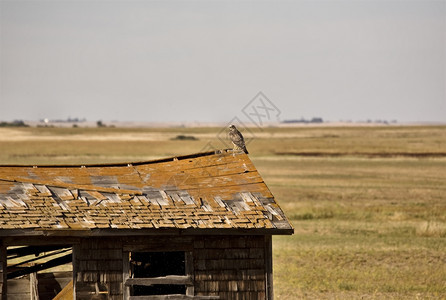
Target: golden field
x,y
368,203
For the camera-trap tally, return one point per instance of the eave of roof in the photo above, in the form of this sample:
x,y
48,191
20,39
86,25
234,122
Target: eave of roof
x,y
142,232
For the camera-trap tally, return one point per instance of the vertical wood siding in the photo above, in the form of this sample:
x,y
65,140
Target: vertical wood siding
x,y
99,269
231,267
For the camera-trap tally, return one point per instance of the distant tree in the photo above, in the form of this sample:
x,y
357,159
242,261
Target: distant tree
x,y
184,138
100,124
16,123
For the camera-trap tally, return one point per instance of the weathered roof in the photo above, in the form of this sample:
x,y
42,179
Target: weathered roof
x,y
212,190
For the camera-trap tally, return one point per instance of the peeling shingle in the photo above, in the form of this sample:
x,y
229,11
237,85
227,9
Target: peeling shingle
x,y
121,197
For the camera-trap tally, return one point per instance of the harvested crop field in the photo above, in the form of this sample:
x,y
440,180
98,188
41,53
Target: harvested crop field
x,y
368,204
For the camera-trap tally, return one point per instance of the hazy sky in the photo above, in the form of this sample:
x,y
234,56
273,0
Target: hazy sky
x,y
206,60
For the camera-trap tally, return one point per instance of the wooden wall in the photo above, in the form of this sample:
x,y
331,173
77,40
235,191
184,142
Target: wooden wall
x,y
1,279
99,265
231,267
2,269
19,288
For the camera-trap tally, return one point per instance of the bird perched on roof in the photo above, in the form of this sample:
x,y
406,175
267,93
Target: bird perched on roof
x,y
237,139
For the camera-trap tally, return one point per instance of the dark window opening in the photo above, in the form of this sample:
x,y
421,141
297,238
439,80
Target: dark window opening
x,y
157,264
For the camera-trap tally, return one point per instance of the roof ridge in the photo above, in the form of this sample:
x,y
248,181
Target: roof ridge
x,y
134,163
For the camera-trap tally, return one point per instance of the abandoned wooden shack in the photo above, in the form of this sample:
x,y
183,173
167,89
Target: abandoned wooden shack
x,y
191,227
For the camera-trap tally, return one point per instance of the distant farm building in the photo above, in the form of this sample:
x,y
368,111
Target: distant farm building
x,y
302,120
190,227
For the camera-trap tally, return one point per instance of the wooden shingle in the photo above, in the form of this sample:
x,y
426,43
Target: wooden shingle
x,y
203,191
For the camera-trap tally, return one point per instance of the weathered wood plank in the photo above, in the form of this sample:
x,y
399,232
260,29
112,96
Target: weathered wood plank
x,y
189,268
126,273
156,244
170,279
18,285
50,183
269,267
42,266
3,267
33,284
18,296
66,293
163,232
177,297
12,240
188,180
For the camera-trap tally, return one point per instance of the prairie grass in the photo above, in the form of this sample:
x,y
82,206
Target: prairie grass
x,y
431,229
83,145
370,221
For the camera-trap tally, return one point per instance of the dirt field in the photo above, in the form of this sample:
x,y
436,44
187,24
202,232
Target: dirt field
x,y
368,203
